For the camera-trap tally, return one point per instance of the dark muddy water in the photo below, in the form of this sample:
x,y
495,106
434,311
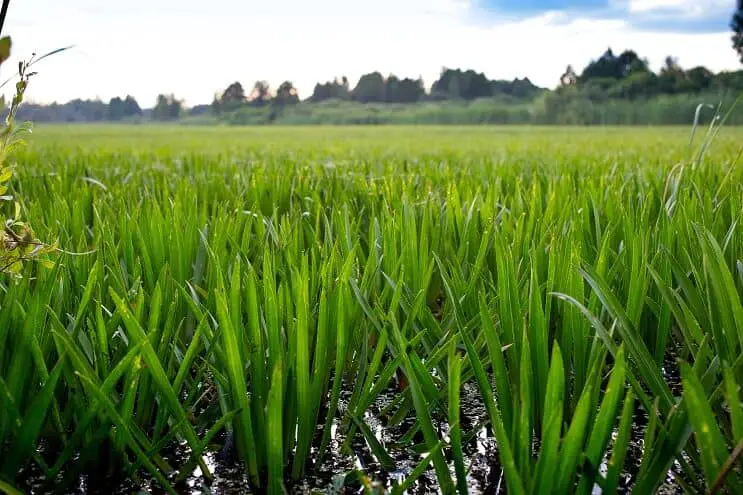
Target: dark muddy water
x,y
484,471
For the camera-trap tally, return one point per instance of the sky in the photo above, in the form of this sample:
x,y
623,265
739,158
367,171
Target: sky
x,y
194,49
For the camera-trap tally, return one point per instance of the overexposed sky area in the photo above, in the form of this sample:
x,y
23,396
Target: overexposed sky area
x,y
195,48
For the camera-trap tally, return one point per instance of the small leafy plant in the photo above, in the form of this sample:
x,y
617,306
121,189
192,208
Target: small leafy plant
x,y
18,243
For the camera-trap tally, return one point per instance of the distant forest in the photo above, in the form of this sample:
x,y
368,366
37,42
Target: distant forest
x,y
612,89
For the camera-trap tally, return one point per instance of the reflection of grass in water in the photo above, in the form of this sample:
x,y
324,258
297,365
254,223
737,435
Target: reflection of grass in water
x,y
240,284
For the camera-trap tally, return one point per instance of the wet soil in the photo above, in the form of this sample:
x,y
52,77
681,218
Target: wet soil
x,y
481,456
230,478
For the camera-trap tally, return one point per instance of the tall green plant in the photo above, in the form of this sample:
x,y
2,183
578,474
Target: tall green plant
x,y
18,242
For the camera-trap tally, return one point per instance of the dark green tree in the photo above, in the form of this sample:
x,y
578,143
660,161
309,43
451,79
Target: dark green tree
x,y
321,92
729,80
131,107
610,66
337,89
605,67
410,90
168,107
344,86
233,97
392,89
87,110
116,109
286,94
629,63
216,106
736,24
522,89
636,85
671,77
458,84
161,111
261,94
698,79
569,77
371,88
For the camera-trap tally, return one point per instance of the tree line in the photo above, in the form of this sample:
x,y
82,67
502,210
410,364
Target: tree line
x,y
117,109
627,76
612,88
453,84
610,77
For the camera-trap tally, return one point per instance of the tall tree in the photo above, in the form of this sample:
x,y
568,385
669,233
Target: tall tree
x,y
671,77
286,94
607,66
569,77
119,109
467,85
629,63
131,107
698,79
410,90
216,105
321,92
337,89
116,109
518,88
160,111
232,97
370,88
736,24
168,107
670,66
261,94
392,89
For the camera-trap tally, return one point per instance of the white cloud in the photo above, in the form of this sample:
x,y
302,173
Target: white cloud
x,y
689,8
182,47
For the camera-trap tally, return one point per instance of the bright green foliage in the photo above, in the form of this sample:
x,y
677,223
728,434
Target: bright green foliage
x,y
282,284
18,243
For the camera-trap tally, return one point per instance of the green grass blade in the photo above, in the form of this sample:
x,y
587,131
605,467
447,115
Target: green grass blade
x,y
274,423
707,432
159,377
621,445
127,435
238,390
554,400
455,432
604,423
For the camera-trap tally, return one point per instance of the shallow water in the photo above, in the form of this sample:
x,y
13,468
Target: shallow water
x,y
229,477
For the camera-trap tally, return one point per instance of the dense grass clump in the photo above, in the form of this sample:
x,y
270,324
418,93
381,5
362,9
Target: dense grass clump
x,y
275,284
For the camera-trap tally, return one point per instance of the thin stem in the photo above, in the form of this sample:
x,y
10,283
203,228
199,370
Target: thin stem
x,y
729,463
3,13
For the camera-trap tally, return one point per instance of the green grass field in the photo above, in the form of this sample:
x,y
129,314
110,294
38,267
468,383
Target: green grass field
x,y
299,291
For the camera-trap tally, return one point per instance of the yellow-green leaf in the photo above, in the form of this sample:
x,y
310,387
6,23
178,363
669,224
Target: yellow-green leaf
x,y
4,48
5,174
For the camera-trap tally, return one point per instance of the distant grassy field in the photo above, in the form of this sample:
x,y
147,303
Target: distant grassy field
x,y
296,298
318,139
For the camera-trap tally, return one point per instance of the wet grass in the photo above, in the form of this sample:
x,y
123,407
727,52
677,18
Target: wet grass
x,y
398,309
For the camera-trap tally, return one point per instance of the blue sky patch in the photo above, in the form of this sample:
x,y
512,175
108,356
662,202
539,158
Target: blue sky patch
x,y
537,6
705,17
